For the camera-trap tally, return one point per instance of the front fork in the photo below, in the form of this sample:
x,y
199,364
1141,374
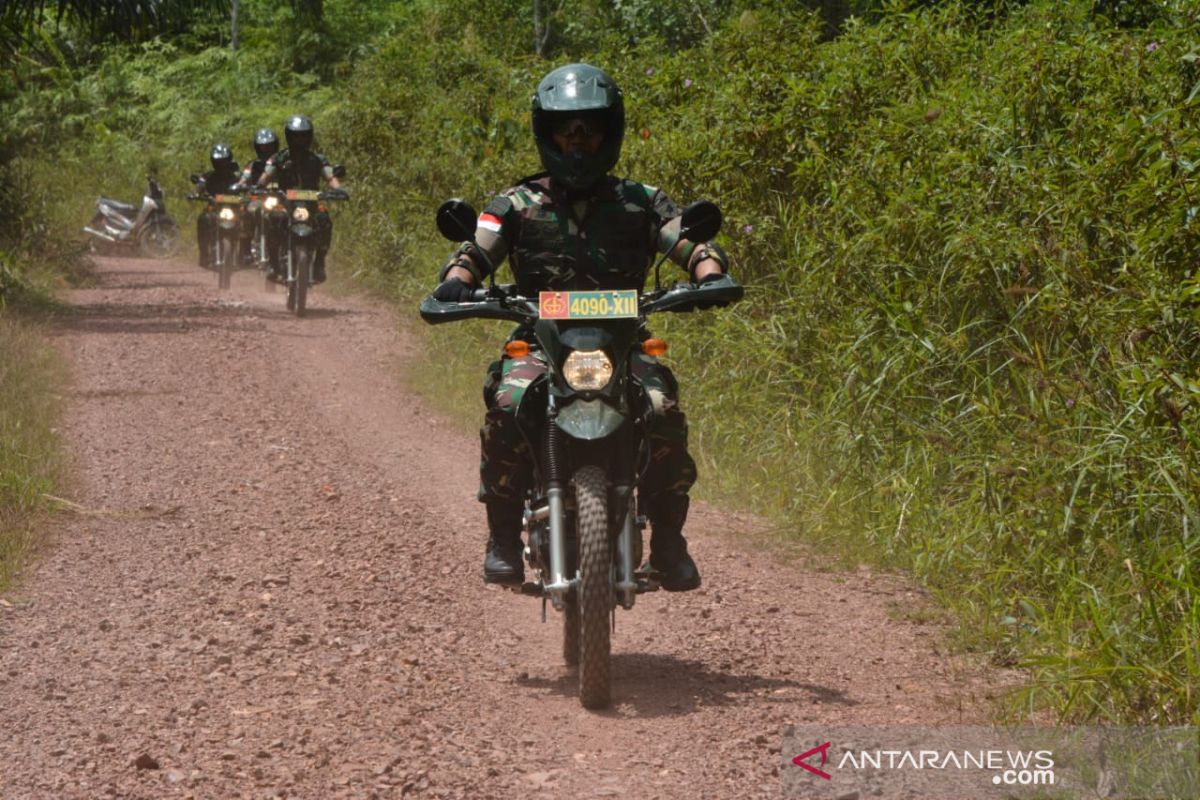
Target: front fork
x,y
559,584
620,500
626,582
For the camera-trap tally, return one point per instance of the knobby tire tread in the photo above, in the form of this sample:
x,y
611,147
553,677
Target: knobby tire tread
x,y
304,259
595,588
228,247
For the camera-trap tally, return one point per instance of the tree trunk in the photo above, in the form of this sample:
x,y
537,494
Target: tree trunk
x,y
541,28
233,40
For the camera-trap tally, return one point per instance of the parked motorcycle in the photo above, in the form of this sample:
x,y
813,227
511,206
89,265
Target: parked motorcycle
x,y
586,423
120,226
302,206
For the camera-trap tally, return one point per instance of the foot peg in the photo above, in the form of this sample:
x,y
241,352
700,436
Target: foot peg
x,y
527,589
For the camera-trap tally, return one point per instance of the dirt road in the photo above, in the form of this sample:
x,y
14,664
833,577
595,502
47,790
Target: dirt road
x,y
271,589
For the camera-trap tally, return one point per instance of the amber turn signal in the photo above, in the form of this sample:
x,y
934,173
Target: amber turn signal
x,y
517,349
654,347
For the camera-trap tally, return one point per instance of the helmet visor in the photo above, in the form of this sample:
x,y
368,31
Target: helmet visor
x,y
567,126
299,140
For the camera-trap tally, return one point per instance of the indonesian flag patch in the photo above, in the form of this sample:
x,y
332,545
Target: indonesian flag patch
x,y
489,222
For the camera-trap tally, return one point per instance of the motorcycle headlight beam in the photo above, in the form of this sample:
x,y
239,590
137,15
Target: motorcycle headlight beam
x,y
587,370
226,214
271,203
300,214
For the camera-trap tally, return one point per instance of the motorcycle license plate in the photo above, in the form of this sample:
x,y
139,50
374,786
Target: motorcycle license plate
x,y
303,194
228,198
615,304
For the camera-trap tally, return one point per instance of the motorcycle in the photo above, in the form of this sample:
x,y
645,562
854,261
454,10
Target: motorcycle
x,y
585,420
266,210
302,207
124,226
227,247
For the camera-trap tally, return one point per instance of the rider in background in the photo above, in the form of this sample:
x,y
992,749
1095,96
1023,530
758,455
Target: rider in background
x,y
298,167
219,180
576,227
266,144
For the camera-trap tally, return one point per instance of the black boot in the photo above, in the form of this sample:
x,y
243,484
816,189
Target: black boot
x,y
319,268
668,548
503,563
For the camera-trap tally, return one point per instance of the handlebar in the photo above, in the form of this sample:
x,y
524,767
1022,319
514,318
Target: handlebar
x,y
502,302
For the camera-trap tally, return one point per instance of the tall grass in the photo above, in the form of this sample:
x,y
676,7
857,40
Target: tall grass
x,y
30,454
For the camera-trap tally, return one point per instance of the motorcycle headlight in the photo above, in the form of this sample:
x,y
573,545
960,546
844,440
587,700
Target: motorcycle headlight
x,y
271,203
300,214
587,370
226,214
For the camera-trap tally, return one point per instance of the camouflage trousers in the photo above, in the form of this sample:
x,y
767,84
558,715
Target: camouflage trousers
x,y
506,465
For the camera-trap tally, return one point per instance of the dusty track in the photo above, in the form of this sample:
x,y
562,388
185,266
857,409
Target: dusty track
x,y
273,590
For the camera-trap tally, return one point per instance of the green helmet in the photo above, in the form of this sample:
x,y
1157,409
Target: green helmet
x,y
578,90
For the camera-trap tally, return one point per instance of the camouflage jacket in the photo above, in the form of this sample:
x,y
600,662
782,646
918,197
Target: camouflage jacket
x,y
606,240
305,172
253,171
214,182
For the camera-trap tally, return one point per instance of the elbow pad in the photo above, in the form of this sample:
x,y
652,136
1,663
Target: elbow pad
x,y
707,250
462,258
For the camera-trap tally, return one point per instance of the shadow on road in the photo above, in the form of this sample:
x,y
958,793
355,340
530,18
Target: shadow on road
x,y
149,318
657,685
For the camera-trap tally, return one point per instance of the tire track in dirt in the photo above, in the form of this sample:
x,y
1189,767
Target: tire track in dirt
x,y
273,591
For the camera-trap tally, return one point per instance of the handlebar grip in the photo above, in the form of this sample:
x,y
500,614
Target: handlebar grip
x,y
479,295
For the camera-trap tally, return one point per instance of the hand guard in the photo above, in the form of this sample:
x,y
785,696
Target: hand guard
x,y
710,278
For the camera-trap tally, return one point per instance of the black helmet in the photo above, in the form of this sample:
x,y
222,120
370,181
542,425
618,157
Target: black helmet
x,y
266,143
299,133
578,90
221,157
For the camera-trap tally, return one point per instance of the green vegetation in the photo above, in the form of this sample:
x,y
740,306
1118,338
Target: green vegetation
x,y
969,347
29,450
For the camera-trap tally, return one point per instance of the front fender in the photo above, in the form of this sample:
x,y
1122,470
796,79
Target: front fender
x,y
589,419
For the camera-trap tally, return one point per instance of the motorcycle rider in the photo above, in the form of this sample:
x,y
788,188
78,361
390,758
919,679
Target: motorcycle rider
x,y
266,144
298,167
576,227
218,180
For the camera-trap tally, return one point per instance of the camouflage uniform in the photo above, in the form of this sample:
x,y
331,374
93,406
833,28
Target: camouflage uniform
x,y
606,241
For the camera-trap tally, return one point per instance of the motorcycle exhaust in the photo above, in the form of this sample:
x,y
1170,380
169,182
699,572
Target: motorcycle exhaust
x,y
100,234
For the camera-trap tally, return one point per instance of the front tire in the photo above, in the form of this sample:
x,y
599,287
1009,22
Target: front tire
x,y
595,590
227,258
304,259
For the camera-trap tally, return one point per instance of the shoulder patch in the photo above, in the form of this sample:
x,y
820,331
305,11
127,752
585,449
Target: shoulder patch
x,y
499,207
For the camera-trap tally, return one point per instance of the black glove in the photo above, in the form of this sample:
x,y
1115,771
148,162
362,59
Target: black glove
x,y
710,277
453,290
